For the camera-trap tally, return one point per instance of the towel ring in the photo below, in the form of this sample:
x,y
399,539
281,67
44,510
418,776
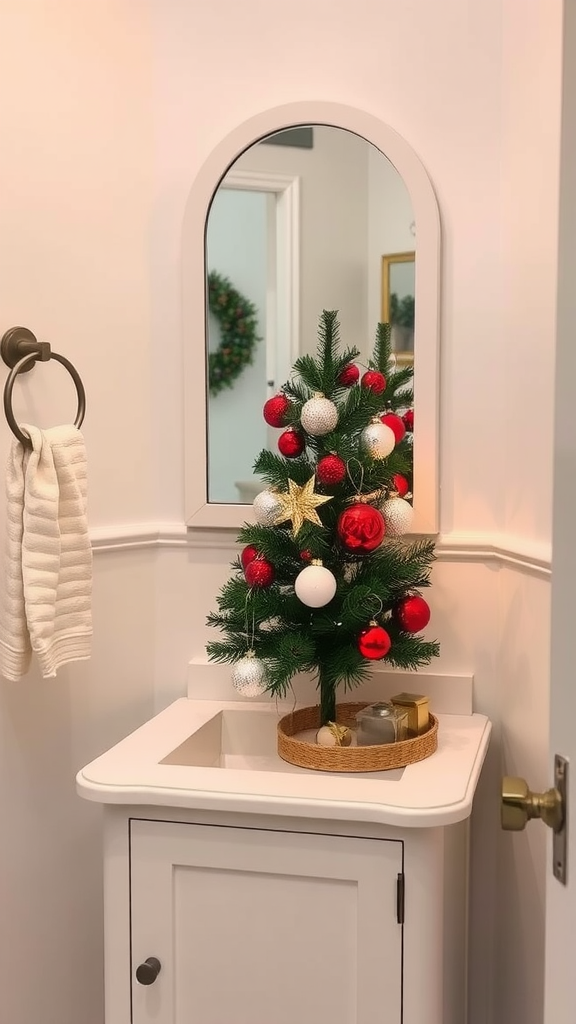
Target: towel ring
x,y
20,350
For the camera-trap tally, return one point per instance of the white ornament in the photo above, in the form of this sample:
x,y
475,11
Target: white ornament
x,y
315,586
333,735
266,508
398,516
377,440
319,416
249,676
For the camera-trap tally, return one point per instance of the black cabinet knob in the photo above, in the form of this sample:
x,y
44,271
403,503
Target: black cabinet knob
x,y
147,972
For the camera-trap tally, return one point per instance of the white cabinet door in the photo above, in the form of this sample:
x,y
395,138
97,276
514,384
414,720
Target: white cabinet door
x,y
264,927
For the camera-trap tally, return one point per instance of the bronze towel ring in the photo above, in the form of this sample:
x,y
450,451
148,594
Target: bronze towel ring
x,y
20,350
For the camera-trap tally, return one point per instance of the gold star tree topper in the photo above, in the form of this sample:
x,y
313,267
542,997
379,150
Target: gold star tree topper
x,y
300,503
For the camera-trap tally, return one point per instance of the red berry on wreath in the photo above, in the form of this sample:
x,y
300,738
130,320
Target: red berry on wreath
x,y
259,573
275,410
331,469
408,420
401,485
361,528
306,555
248,555
396,425
291,443
374,380
374,642
349,375
412,613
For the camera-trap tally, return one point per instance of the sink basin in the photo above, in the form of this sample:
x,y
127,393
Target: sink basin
x,y
221,756
245,739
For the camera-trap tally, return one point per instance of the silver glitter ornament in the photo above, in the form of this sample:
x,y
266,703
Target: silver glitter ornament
x,y
249,676
319,416
266,508
398,516
377,440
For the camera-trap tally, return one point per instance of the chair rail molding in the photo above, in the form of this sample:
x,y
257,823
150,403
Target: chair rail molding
x,y
522,553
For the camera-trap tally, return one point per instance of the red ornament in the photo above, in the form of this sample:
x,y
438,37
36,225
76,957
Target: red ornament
x,y
291,443
413,613
361,528
331,469
248,555
401,485
374,380
408,420
349,375
259,573
306,555
275,410
396,425
374,642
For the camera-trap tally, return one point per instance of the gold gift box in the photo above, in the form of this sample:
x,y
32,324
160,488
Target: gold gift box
x,y
418,708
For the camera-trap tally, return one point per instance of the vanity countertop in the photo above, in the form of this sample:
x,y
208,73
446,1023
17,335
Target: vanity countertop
x,y
435,792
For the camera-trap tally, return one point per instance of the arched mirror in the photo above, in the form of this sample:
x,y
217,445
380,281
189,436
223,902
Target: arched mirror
x,y
308,216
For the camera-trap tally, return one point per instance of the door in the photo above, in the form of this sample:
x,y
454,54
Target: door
x,y
237,248
252,239
248,926
561,899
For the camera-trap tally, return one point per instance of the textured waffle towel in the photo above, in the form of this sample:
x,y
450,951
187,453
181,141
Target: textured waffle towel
x,y
48,569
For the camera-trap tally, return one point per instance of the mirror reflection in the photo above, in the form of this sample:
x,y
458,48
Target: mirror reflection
x,y
398,289
299,224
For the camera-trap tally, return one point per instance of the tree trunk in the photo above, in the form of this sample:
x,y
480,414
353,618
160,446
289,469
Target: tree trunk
x,y
327,700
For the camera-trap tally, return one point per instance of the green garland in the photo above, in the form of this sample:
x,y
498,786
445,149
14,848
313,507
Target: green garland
x,y
237,318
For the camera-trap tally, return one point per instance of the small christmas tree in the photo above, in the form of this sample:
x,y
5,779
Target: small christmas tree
x,y
324,585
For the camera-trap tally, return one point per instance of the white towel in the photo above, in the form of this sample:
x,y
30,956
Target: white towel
x,y
48,573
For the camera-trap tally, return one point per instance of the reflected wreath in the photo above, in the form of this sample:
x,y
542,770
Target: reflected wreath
x,y
237,319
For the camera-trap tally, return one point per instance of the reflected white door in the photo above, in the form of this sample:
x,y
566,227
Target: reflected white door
x,y
237,247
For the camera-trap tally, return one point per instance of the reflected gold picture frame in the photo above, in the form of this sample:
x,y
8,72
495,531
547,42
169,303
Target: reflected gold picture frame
x,y
388,261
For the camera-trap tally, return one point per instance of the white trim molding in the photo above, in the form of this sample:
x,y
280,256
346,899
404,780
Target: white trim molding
x,y
285,326
504,549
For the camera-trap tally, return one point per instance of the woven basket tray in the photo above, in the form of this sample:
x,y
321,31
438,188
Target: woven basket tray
x,y
348,759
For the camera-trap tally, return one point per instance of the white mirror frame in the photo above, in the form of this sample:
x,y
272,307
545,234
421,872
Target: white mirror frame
x,y
199,512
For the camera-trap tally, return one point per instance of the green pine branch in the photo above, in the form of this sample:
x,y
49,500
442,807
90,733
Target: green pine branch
x,y
277,471
382,353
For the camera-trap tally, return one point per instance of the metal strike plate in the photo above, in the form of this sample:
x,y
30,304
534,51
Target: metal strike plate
x,y
560,838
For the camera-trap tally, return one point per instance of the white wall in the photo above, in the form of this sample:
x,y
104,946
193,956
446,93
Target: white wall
x,y
75,266
120,105
389,226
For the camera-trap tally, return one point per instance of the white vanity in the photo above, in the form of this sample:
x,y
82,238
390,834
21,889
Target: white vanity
x,y
242,890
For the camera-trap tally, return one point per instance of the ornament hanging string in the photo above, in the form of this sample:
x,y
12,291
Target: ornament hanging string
x,y
351,478
250,636
380,602
364,498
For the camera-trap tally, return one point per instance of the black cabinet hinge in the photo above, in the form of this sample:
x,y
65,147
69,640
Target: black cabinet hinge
x,y
400,897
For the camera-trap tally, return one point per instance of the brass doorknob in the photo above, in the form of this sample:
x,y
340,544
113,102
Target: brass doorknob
x,y
519,805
